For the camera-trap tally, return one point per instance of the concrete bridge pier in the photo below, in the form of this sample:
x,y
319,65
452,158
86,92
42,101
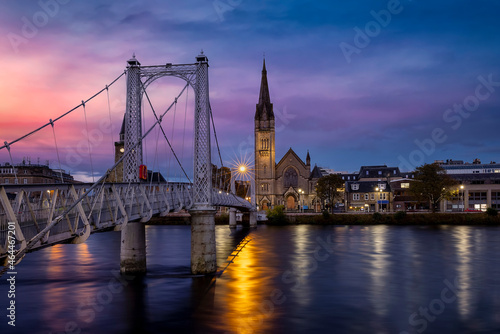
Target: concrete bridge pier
x,y
253,218
232,218
133,248
203,255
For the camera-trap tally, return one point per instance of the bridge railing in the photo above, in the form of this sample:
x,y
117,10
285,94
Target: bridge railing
x,y
33,207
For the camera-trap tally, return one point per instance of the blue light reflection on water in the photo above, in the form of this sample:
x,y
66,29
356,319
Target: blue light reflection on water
x,y
293,279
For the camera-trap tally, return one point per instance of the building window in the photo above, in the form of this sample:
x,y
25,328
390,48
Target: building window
x,y
264,186
264,144
366,197
355,197
372,197
381,186
25,181
379,172
405,185
291,179
355,186
477,196
366,173
383,196
6,181
394,172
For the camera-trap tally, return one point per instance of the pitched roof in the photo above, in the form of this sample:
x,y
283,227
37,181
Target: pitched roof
x,y
373,171
264,110
366,186
290,152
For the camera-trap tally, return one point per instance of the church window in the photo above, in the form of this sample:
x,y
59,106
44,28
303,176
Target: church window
x,y
291,178
264,186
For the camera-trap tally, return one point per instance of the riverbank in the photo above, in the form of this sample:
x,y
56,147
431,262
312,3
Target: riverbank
x,y
398,218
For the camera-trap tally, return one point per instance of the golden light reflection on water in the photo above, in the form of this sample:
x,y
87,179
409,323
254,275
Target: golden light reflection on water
x,y
379,270
302,263
462,235
58,293
245,292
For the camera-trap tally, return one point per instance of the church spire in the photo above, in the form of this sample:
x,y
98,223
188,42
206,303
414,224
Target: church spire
x,y
264,107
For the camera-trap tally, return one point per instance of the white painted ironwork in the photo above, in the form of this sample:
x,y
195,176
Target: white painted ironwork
x,y
34,207
133,129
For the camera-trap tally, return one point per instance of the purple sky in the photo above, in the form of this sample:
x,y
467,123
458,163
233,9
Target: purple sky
x,y
382,96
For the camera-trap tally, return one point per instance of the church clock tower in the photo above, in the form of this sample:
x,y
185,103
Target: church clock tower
x,y
264,146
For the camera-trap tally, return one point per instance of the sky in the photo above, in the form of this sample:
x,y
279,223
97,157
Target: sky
x,y
356,83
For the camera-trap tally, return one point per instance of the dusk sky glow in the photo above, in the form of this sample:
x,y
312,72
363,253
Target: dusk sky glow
x,y
355,83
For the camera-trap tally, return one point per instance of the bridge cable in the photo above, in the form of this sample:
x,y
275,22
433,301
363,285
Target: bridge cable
x,y
161,127
12,162
88,141
184,130
110,124
61,116
143,122
215,134
68,209
173,125
218,148
57,149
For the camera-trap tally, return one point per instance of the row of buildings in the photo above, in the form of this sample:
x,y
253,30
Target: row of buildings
x,y
291,182
28,173
382,188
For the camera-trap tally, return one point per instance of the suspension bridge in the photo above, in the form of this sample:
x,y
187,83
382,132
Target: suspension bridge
x,y
33,216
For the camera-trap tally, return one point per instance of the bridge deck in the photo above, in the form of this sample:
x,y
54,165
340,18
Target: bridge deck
x,y
29,209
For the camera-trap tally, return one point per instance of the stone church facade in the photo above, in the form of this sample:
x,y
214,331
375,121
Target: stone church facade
x,y
289,182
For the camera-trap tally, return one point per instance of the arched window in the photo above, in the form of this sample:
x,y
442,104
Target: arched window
x,y
291,178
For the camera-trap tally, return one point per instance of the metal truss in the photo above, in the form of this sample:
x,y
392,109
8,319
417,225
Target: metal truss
x,y
33,208
195,75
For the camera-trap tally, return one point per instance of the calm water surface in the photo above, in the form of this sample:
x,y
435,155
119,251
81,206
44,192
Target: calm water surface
x,y
293,279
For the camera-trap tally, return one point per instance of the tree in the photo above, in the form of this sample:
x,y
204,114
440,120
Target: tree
x,y
329,188
433,184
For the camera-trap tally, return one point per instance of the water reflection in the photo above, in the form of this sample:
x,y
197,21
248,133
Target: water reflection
x,y
302,263
463,244
365,280
242,290
379,270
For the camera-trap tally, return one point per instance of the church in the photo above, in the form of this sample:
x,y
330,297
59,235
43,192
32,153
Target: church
x,y
290,182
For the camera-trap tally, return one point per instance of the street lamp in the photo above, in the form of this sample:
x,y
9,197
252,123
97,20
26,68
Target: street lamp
x,y
462,196
301,207
379,198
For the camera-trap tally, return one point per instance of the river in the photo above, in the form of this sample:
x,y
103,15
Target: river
x,y
288,279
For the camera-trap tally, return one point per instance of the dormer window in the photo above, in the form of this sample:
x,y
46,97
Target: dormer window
x,y
355,186
381,186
